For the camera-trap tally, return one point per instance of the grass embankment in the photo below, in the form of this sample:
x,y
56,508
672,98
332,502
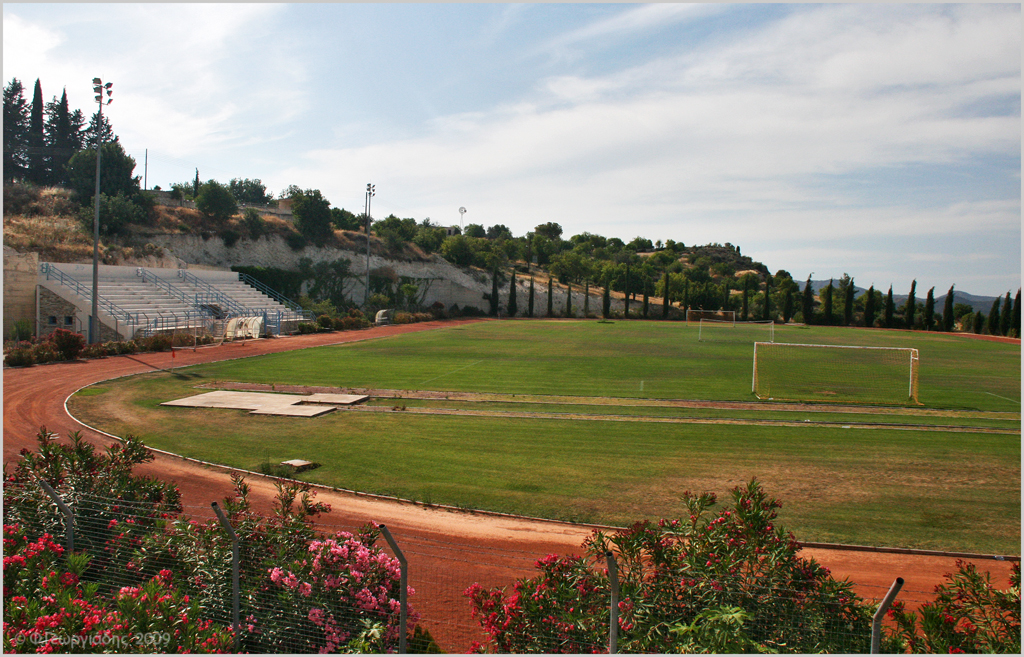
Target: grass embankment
x,y
895,487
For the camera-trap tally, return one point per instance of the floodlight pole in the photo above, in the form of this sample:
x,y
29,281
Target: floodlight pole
x,y
370,193
94,323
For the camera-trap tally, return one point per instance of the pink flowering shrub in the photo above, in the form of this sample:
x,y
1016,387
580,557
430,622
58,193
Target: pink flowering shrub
x,y
339,587
968,615
737,563
141,569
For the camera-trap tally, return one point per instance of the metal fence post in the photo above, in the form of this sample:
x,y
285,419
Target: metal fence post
x,y
876,620
613,608
403,595
69,517
236,611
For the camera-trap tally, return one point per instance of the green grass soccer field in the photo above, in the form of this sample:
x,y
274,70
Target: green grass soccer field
x,y
583,421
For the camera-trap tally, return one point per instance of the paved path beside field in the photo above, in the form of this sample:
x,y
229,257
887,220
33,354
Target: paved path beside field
x,y
35,397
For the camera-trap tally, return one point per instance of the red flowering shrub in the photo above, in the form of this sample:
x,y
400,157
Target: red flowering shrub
x,y
48,608
968,615
736,565
67,343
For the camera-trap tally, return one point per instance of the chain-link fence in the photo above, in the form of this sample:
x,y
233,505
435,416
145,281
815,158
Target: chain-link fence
x,y
288,585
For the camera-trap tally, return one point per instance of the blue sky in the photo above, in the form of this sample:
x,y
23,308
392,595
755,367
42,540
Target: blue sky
x,y
881,141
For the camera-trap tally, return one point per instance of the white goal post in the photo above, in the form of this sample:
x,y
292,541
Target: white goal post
x,y
837,373
694,316
716,330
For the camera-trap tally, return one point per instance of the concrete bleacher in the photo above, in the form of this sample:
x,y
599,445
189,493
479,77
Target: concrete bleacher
x,y
137,300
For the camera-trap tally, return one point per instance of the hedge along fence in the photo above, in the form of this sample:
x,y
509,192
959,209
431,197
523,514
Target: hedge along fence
x,y
147,569
126,569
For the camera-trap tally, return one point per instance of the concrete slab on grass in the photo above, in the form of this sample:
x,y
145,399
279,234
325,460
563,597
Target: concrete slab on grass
x,y
267,403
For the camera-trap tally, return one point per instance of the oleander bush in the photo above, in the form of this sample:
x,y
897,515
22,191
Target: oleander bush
x,y
144,578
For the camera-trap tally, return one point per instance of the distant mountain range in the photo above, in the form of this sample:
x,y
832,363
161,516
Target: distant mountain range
x,y
984,304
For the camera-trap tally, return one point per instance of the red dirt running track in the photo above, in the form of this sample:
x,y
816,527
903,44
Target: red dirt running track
x,y
35,396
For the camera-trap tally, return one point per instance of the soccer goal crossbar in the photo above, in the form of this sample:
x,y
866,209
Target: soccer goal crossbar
x,y
817,372
730,331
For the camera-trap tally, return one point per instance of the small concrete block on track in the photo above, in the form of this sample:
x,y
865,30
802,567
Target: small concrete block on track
x,y
258,403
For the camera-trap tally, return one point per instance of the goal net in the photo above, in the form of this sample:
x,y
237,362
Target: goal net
x,y
716,330
815,372
694,316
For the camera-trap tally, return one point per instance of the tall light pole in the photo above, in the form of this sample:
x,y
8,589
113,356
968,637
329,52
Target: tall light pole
x,y
371,191
462,214
98,88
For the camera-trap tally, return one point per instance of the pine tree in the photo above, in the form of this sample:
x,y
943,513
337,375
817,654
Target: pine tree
x,y
1006,318
848,305
529,300
606,300
551,298
665,296
948,320
911,308
808,302
15,131
929,309
1016,314
993,318
513,307
36,140
826,300
890,309
99,127
869,308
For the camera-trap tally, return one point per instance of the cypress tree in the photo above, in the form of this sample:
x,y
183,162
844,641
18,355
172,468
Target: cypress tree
x,y
625,313
15,131
1006,319
767,298
826,300
979,321
808,302
947,312
529,300
787,304
606,300
929,309
586,298
746,300
64,137
195,190
685,304
494,292
890,309
513,307
869,308
36,139
664,300
646,300
551,298
568,299
1016,314
911,308
993,318
848,305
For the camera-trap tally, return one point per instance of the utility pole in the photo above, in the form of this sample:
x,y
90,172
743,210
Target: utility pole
x,y
370,193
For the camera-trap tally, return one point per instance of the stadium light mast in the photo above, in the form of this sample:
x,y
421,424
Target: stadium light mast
x,y
462,215
98,88
371,191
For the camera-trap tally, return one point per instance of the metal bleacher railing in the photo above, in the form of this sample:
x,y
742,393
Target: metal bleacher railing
x,y
276,296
